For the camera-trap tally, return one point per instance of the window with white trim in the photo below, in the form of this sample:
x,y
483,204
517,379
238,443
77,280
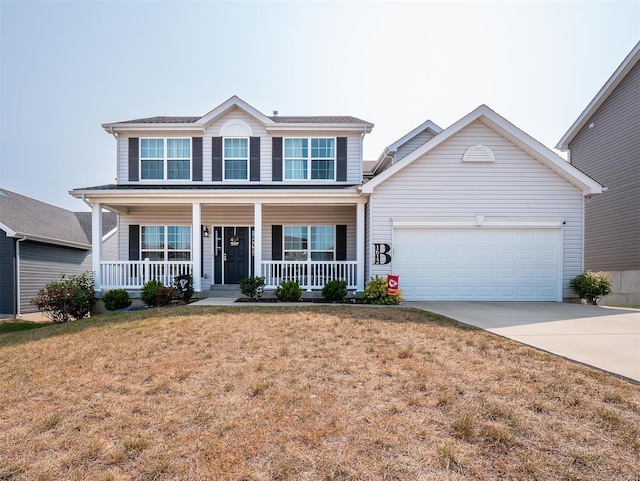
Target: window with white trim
x,y
236,158
309,158
165,159
309,242
165,242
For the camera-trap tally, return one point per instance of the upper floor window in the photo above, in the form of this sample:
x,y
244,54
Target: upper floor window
x,y
309,158
165,242
309,242
236,158
168,159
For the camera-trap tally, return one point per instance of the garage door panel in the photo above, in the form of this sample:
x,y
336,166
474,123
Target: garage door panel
x,y
468,264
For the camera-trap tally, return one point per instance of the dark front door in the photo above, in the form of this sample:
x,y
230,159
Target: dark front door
x,y
236,249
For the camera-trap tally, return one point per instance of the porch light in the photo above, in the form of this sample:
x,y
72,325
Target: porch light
x,y
205,233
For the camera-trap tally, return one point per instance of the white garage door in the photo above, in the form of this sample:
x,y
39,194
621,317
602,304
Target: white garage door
x,y
478,264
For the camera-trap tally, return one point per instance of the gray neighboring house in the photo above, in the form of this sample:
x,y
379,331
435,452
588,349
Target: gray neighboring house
x,y
38,243
604,142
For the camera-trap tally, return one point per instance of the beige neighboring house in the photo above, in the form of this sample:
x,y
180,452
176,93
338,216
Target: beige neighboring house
x,y
476,211
604,142
38,243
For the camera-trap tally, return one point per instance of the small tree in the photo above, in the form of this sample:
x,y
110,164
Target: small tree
x,y
116,299
376,292
252,287
148,292
592,286
69,298
289,291
335,290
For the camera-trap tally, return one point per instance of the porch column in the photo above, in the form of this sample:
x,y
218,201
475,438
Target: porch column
x,y
96,244
360,246
196,247
257,246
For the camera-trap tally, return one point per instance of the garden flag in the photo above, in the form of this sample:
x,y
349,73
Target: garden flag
x,y
392,284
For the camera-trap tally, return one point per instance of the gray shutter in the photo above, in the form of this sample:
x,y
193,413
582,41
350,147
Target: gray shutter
x,y
341,242
276,242
196,156
216,158
341,159
254,158
276,158
134,242
134,158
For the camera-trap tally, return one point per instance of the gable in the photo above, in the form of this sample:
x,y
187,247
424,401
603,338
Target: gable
x,y
235,122
444,170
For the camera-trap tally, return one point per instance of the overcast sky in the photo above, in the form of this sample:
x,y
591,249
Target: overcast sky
x,y
68,67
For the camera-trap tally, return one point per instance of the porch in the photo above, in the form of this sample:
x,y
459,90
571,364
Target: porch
x,y
309,274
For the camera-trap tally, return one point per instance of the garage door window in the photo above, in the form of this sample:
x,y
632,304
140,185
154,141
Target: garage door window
x,y
309,242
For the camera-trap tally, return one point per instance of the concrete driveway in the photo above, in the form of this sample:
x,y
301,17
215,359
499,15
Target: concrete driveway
x,y
603,337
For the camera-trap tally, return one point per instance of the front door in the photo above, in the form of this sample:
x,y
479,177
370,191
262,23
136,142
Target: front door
x,y
237,258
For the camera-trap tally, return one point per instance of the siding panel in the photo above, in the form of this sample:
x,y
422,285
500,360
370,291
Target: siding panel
x,y
610,153
43,263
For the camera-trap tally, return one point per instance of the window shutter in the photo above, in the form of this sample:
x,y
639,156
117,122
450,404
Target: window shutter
x,y
196,156
134,158
341,159
254,158
276,158
341,242
276,242
216,158
134,242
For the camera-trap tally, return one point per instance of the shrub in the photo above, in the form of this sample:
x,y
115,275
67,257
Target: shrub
x,y
69,298
252,287
335,290
591,286
148,292
288,291
186,295
164,295
375,292
116,299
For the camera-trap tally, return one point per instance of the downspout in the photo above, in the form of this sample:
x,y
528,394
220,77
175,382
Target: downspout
x,y
17,309
84,199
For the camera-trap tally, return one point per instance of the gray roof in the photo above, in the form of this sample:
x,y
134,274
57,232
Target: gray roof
x,y
329,119
109,222
43,222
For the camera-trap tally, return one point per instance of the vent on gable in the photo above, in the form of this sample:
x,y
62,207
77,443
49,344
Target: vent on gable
x,y
478,153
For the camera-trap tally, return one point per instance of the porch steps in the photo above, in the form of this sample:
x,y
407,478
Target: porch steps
x,y
226,291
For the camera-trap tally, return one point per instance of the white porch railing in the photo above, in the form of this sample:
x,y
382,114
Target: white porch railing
x,y
309,274
134,274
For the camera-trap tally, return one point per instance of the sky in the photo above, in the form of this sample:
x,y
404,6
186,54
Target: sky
x,y
68,67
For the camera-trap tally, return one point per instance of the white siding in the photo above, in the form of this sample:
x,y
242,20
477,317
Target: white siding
x,y
413,143
123,151
439,184
308,215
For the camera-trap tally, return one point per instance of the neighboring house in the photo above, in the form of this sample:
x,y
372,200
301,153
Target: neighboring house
x,y
604,142
38,243
476,211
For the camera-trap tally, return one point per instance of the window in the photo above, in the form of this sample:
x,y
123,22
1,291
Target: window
x,y
165,243
309,159
162,159
309,242
236,158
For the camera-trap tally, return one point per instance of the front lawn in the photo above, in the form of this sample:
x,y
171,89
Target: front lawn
x,y
303,393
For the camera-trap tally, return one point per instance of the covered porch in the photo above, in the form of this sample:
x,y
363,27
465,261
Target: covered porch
x,y
221,237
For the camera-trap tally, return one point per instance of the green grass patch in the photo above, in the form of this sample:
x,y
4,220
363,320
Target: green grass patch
x,y
15,326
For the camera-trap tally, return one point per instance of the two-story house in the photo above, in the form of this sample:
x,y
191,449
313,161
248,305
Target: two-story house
x,y
234,193
477,211
604,142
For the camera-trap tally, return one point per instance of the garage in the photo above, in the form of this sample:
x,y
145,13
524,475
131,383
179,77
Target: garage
x,y
478,263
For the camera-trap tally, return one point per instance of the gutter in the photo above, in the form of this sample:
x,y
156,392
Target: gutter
x,y
17,298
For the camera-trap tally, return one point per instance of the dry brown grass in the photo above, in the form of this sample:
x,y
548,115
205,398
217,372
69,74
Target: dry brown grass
x,y
315,393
